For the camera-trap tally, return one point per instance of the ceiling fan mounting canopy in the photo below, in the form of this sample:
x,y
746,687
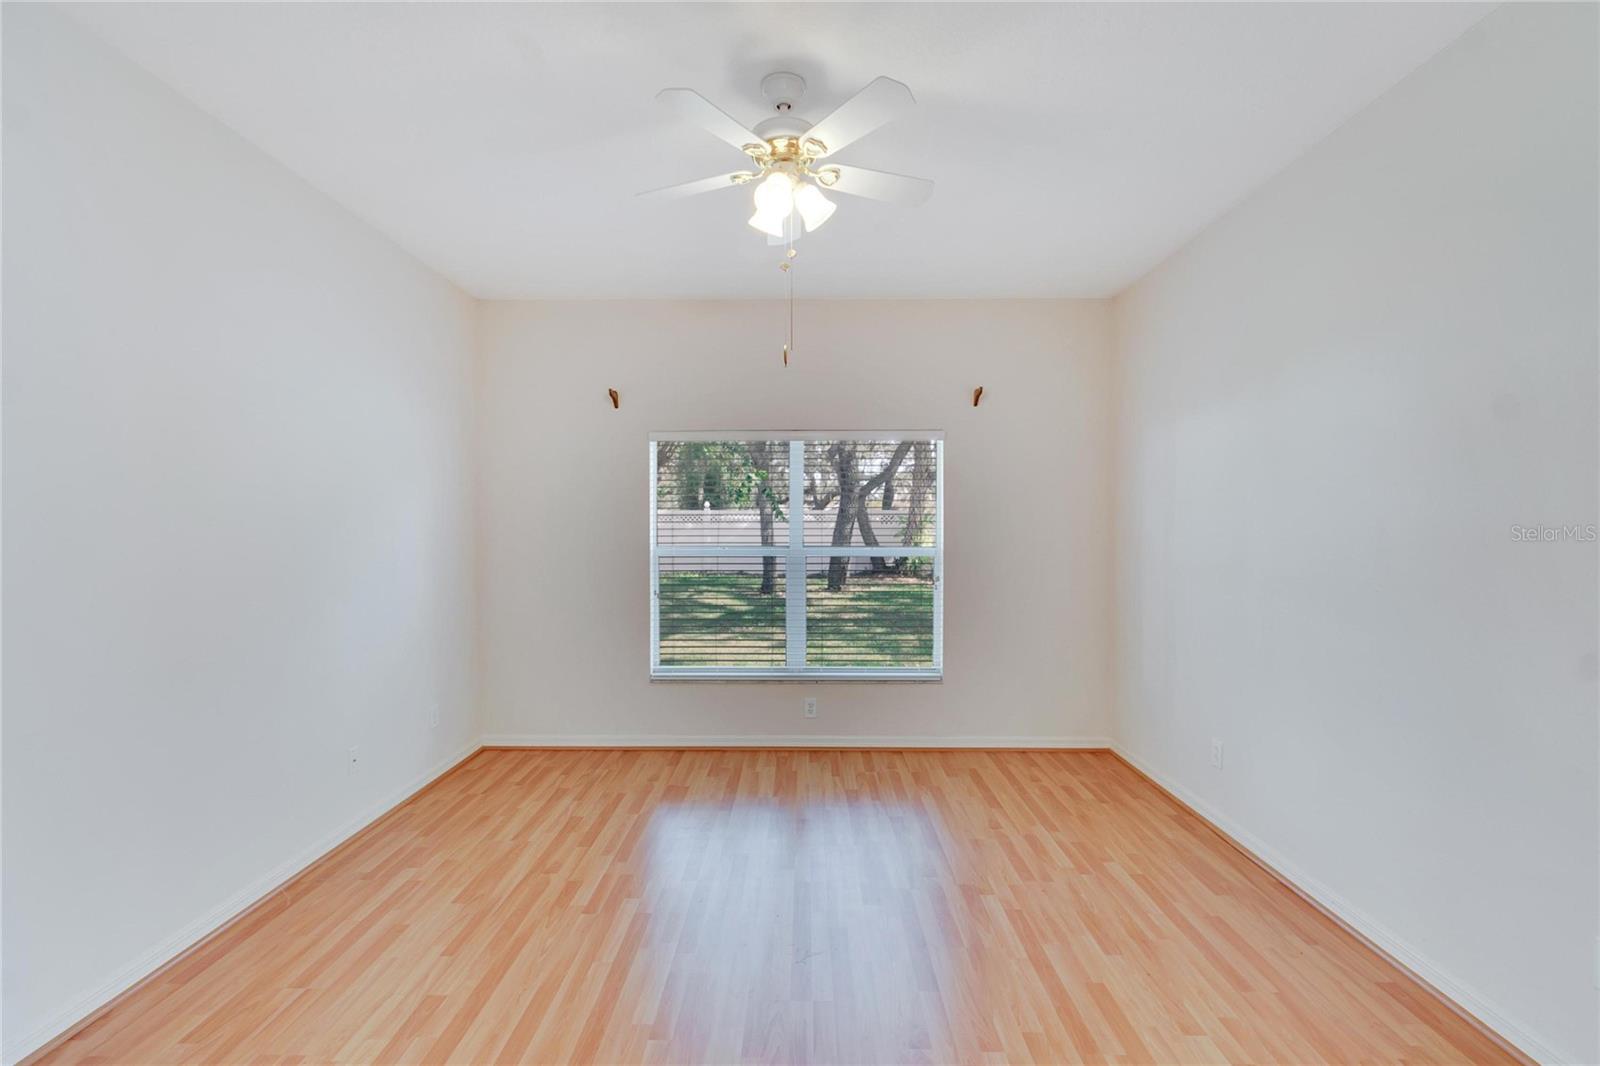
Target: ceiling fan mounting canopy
x,y
783,88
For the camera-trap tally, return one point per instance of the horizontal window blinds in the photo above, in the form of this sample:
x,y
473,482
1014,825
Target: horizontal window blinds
x,y
804,557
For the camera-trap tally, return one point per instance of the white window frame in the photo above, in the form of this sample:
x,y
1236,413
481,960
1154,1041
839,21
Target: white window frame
x,y
794,555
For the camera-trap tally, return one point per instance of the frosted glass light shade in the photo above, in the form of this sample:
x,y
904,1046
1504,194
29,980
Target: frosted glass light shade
x,y
814,208
774,203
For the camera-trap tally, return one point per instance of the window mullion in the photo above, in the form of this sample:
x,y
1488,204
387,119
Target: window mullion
x,y
794,570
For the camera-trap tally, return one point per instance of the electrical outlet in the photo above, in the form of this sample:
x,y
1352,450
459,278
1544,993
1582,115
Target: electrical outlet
x,y
355,757
1216,753
811,706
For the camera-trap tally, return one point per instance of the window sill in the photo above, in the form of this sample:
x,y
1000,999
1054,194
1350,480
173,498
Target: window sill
x,y
810,677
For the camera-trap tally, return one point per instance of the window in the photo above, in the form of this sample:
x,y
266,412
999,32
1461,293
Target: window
x,y
795,555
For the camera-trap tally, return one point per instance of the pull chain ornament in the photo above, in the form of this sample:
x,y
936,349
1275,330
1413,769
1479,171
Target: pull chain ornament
x,y
786,267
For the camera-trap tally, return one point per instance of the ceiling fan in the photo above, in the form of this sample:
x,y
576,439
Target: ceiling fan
x,y
788,153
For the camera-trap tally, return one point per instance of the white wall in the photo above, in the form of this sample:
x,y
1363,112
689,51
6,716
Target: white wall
x,y
1334,406
565,590
237,523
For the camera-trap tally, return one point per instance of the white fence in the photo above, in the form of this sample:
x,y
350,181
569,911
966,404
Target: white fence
x,y
732,528
735,527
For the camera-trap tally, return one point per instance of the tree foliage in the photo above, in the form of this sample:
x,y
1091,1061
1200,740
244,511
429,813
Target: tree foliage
x,y
717,475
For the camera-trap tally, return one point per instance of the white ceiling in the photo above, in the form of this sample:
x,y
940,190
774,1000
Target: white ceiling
x,y
1074,146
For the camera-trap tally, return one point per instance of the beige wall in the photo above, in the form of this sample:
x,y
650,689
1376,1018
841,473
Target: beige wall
x,y
1335,406
240,438
237,524
564,497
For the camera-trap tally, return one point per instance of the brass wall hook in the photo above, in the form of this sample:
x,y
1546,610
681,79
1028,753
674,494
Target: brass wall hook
x,y
977,394
616,400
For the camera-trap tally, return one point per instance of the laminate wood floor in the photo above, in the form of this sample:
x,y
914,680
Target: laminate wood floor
x,y
783,906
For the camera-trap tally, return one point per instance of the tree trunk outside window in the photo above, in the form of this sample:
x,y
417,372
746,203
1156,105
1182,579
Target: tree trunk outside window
x,y
761,461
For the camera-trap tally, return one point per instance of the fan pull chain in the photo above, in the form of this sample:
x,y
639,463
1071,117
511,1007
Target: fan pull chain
x,y
787,266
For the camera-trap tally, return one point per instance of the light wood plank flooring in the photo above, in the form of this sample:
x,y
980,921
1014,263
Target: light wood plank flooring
x,y
772,906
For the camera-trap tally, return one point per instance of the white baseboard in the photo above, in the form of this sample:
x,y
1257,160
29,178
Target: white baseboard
x,y
1401,952
173,946
778,740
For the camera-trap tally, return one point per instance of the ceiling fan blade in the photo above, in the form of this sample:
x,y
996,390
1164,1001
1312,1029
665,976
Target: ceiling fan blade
x,y
690,106
880,185
882,100
695,188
